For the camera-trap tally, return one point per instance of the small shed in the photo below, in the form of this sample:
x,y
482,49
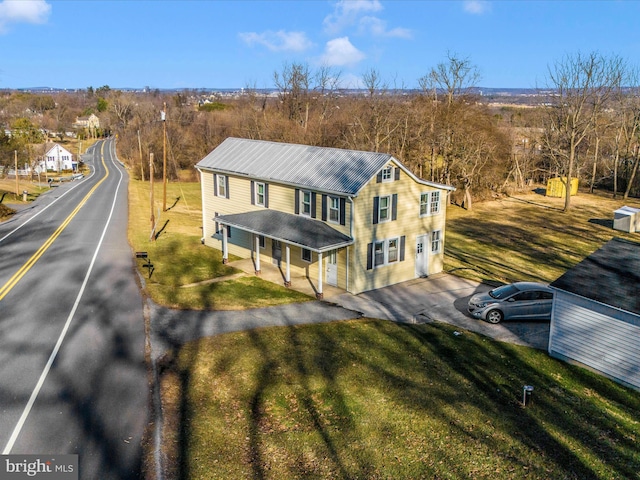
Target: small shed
x,y
557,187
595,319
627,219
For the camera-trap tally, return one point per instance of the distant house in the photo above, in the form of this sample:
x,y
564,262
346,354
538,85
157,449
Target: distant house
x,y
595,319
355,220
57,159
91,122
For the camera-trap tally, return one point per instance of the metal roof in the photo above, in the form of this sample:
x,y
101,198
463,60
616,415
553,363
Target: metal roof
x,y
318,168
293,229
610,275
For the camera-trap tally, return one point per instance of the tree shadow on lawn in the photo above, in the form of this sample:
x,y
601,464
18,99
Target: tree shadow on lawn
x,y
467,385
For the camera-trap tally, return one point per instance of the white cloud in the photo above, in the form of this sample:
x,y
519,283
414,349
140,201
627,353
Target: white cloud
x,y
340,52
476,7
23,11
378,28
279,41
347,12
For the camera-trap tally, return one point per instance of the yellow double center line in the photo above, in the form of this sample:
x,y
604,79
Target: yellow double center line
x,y
6,288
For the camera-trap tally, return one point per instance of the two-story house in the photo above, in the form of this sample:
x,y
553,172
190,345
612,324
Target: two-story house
x,y
355,220
58,159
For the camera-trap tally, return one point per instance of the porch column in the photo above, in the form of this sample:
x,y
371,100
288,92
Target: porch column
x,y
319,294
257,254
225,246
287,272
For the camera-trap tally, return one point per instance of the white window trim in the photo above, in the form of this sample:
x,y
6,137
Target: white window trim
x,y
388,208
430,203
337,209
302,250
302,202
438,203
438,241
222,182
256,195
385,249
390,170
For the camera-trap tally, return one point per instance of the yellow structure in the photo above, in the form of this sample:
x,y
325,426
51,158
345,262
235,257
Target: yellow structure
x,y
354,220
556,187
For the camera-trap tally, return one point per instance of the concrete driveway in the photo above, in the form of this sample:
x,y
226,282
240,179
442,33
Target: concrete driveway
x,y
442,298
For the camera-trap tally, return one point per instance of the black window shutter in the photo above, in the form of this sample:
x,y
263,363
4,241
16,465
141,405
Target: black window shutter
x,y
369,256
394,207
343,209
379,177
253,192
313,204
402,242
297,201
228,231
396,173
324,208
217,225
376,206
226,183
215,184
266,195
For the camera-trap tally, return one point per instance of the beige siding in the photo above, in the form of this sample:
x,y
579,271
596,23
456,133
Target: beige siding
x,y
409,224
281,198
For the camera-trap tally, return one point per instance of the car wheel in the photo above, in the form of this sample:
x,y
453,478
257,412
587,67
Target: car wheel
x,y
494,316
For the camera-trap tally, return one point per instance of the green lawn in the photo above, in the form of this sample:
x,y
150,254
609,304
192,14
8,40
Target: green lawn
x,y
528,237
373,399
182,266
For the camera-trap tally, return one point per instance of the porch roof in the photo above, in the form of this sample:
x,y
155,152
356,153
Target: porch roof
x,y
296,230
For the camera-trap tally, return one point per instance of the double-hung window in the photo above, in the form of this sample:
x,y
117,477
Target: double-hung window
x,y
222,185
334,209
430,203
434,203
384,209
306,255
436,241
387,174
260,194
305,203
386,251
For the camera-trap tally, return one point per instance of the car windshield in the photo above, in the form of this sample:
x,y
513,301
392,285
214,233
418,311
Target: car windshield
x,y
503,292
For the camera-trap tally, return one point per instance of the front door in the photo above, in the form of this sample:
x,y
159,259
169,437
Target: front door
x,y
422,255
276,252
332,268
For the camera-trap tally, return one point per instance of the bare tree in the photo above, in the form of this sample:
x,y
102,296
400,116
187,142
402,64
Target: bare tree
x,y
582,86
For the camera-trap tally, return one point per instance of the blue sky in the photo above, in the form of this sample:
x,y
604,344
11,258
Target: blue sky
x,y
233,44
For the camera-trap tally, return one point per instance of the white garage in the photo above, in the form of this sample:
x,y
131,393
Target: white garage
x,y
595,319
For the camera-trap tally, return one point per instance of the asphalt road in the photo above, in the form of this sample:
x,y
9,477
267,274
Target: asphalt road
x,y
72,370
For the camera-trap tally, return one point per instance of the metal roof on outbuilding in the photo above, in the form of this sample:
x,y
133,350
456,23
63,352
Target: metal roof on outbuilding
x,y
318,168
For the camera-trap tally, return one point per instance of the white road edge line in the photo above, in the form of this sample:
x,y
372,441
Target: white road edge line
x,y
56,349
45,208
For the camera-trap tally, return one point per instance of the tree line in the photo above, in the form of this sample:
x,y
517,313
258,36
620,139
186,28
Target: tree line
x,y
584,125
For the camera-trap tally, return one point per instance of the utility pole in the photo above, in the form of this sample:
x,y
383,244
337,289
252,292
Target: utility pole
x,y
164,158
141,161
15,153
153,218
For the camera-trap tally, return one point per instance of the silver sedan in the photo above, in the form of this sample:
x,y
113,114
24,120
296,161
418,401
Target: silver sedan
x,y
516,301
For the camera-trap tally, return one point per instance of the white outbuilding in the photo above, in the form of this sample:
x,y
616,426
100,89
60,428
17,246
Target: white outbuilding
x,y
595,320
627,219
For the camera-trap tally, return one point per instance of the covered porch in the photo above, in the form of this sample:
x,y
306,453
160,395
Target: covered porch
x,y
288,231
